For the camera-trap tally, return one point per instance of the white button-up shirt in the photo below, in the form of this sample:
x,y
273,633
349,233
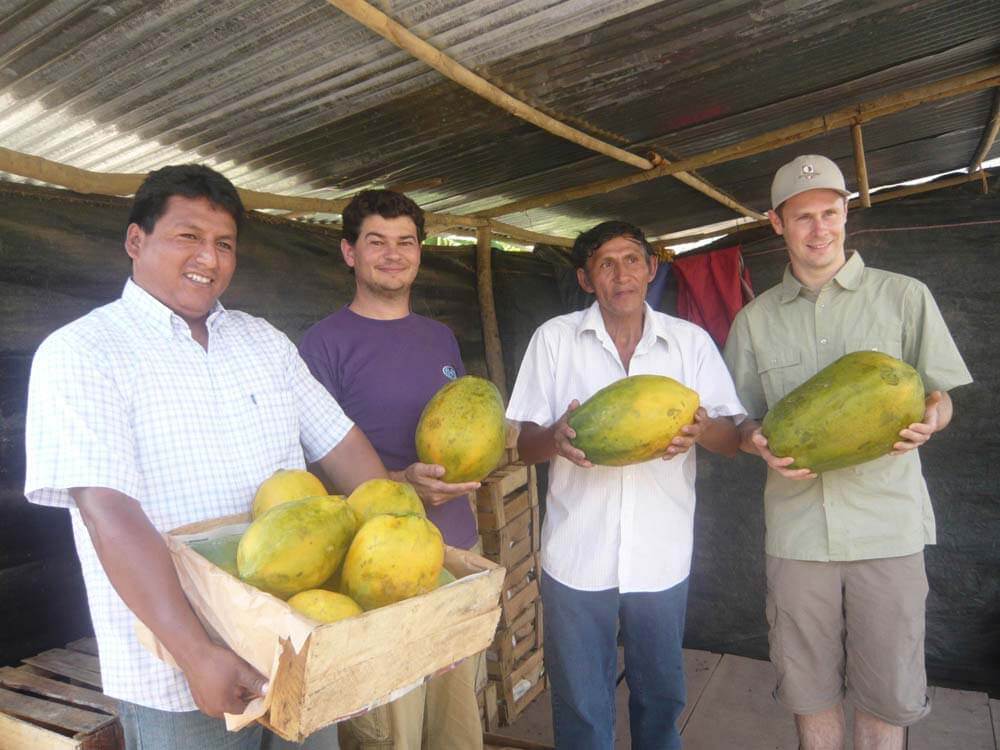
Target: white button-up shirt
x,y
628,527
125,398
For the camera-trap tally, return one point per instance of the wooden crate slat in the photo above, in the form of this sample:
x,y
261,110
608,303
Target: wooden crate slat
x,y
532,486
18,734
510,507
530,669
511,608
22,679
494,542
72,720
524,570
80,667
84,646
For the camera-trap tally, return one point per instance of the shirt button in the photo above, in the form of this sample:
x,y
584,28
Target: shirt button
x,y
822,341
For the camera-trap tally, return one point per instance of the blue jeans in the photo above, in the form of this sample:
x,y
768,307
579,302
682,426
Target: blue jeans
x,y
581,651
151,729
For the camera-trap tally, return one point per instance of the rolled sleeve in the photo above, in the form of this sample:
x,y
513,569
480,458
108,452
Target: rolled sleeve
x,y
77,428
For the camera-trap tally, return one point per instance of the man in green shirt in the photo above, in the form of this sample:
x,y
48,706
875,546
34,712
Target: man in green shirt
x,y
845,570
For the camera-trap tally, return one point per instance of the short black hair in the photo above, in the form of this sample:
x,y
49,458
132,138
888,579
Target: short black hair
x,y
386,203
188,181
588,242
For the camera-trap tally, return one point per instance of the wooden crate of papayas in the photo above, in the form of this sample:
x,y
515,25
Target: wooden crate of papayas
x,y
322,673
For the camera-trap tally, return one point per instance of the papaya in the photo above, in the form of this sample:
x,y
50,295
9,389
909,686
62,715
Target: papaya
x,y
296,545
632,420
324,606
384,496
392,557
282,486
462,429
848,413
220,551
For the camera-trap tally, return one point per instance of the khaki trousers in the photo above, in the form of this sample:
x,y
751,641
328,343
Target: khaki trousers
x,y
441,714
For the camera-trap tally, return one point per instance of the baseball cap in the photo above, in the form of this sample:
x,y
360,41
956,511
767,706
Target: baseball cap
x,y
809,172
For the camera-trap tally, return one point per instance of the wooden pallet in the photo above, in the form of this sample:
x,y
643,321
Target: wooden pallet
x,y
50,703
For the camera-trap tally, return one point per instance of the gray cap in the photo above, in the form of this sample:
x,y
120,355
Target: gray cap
x,y
809,172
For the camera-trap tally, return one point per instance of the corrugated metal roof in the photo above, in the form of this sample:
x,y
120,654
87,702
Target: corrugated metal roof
x,y
297,98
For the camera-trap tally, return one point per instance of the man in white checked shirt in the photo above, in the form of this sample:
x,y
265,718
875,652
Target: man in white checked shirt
x,y
616,541
160,409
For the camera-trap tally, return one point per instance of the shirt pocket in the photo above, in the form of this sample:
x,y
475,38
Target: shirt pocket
x,y
879,338
779,372
277,423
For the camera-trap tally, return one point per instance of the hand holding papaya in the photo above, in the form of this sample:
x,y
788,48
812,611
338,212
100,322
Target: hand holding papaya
x,y
919,433
688,435
779,464
562,434
426,480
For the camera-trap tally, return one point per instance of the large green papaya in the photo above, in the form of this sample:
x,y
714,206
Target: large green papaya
x,y
462,429
633,419
849,412
296,545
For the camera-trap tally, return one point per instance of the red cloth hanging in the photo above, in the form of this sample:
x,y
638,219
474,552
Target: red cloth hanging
x,y
711,289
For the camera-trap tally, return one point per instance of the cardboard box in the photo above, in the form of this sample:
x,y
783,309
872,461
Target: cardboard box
x,y
321,674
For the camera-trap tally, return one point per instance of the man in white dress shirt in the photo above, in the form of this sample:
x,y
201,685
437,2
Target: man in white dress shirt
x,y
616,542
160,409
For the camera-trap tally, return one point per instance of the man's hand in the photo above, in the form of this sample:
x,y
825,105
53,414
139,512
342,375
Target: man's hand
x,y
780,465
221,682
688,436
425,479
919,433
562,433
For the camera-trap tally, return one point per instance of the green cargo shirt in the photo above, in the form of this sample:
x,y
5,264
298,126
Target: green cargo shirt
x,y
785,336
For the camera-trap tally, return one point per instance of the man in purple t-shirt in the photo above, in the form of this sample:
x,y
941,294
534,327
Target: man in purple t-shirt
x,y
383,363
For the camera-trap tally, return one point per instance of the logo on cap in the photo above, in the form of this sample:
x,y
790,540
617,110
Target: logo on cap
x,y
808,172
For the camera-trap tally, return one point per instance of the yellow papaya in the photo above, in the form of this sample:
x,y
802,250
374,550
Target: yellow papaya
x,y
633,419
296,545
462,429
392,557
849,412
384,496
324,606
282,486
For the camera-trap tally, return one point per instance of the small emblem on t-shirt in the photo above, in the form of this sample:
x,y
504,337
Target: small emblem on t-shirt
x,y
449,372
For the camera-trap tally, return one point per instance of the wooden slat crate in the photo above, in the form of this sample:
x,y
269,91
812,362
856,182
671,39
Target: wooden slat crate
x,y
521,686
513,643
51,703
504,495
489,715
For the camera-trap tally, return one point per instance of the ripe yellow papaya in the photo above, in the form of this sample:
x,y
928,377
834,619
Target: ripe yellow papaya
x,y
462,429
849,412
384,496
296,545
392,557
324,606
632,420
285,485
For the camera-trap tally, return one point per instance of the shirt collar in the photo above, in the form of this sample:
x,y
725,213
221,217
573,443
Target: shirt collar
x,y
160,317
848,277
653,327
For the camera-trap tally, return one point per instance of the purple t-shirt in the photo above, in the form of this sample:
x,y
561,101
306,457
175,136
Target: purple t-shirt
x,y
383,373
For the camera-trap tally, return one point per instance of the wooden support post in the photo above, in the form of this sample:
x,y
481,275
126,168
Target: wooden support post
x,y
989,134
859,165
487,310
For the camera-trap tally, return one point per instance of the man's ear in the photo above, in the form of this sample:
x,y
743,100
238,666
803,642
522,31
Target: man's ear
x,y
133,240
584,281
347,250
776,223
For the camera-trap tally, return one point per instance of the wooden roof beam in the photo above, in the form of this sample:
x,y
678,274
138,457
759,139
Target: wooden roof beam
x,y
123,184
393,31
989,134
882,106
860,167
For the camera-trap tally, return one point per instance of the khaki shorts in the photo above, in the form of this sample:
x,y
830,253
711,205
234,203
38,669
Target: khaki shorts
x,y
849,629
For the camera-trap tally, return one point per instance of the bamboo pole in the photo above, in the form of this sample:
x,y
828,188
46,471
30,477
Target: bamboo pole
x,y
860,168
403,38
989,134
987,77
123,184
393,31
880,196
488,312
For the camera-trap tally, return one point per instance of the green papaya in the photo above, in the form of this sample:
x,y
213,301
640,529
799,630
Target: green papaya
x,y
848,413
633,419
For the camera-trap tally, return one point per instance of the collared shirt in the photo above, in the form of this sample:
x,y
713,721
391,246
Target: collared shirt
x,y
125,398
877,509
628,527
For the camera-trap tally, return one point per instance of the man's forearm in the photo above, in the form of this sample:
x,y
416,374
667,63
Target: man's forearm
x,y
721,436
138,564
746,430
536,444
350,463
